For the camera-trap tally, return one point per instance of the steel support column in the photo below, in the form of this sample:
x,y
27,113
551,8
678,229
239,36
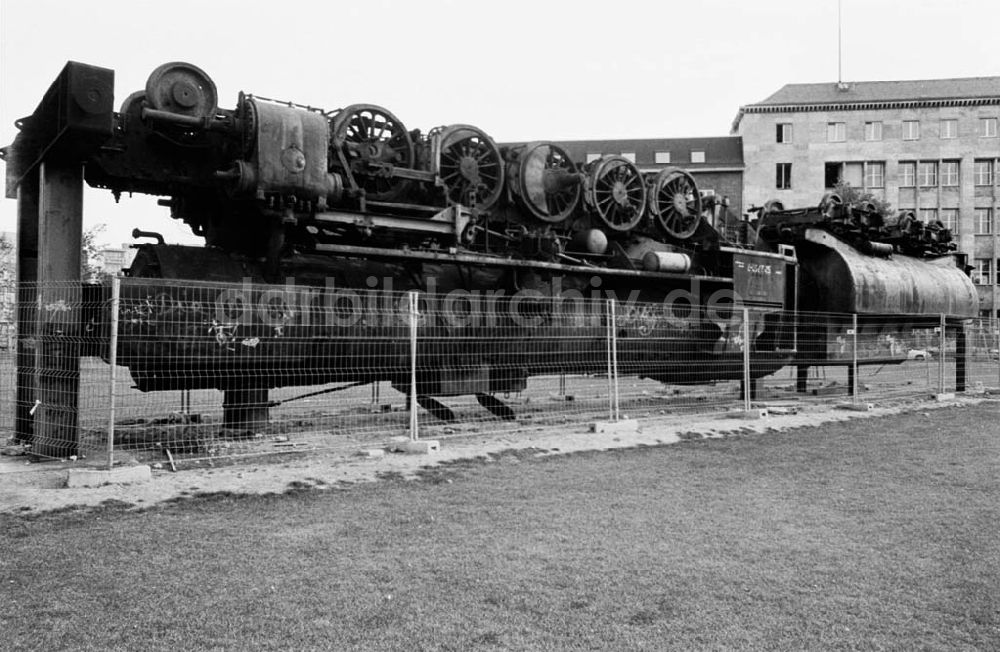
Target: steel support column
x,y
60,233
27,300
245,408
801,378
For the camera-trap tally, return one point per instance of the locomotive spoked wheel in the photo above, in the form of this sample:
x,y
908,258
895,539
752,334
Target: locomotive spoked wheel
x,y
675,203
771,206
370,136
829,202
183,89
617,193
546,184
470,166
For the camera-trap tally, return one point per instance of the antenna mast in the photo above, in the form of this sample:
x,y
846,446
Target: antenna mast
x,y
840,76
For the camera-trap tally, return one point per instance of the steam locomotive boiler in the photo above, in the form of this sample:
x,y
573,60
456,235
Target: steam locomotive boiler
x,y
312,211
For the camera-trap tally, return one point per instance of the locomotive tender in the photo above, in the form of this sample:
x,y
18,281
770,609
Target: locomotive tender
x,y
332,206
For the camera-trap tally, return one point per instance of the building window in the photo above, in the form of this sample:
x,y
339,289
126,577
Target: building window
x,y
836,132
697,156
949,217
982,271
662,157
988,127
784,176
949,173
591,157
875,175
629,156
832,172
873,130
851,173
928,215
949,128
784,132
983,173
927,173
907,174
982,221
911,129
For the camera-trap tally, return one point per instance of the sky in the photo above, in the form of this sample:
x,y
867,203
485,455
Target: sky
x,y
517,69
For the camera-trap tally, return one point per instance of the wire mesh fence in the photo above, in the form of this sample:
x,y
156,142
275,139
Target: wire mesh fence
x,y
139,367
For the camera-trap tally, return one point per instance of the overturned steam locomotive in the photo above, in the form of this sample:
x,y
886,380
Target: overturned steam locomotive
x,y
344,201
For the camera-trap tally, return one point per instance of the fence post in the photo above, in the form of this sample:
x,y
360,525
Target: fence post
x,y
854,357
998,351
746,359
941,354
614,357
413,364
116,285
609,307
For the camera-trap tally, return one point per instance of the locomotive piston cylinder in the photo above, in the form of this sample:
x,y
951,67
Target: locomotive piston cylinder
x,y
290,148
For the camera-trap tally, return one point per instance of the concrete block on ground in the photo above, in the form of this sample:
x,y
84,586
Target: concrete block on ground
x,y
782,409
857,407
624,426
119,475
419,447
755,413
394,444
372,452
945,396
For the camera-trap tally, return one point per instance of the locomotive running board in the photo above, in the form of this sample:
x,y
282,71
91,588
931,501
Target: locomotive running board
x,y
449,222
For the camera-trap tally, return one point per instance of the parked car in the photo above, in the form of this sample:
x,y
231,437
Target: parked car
x,y
918,354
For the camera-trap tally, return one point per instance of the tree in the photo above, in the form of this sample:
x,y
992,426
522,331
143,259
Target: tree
x,y
8,279
91,258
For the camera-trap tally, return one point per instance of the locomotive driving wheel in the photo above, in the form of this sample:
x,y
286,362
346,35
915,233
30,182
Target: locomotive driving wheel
x,y
470,166
616,192
182,88
675,202
545,181
373,141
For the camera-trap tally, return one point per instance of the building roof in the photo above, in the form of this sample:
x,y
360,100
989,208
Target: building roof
x,y
720,151
967,91
885,91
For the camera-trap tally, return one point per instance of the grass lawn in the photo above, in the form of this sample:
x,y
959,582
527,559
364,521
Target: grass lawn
x,y
872,534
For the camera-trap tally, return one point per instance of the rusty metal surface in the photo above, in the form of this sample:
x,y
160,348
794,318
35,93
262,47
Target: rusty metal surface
x,y
842,279
290,155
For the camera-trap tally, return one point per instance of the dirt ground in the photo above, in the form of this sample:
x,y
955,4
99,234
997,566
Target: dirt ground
x,y
27,487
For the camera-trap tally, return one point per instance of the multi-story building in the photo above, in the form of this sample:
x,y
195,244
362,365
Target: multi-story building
x,y
114,260
931,146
